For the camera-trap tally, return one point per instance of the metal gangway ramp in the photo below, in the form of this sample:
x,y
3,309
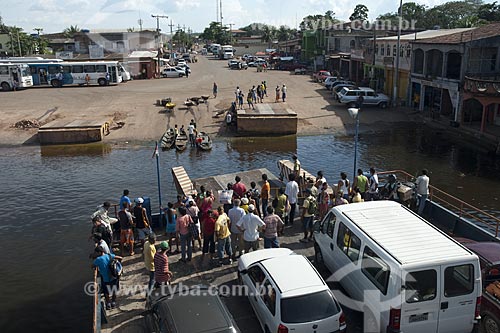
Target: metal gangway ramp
x,y
182,182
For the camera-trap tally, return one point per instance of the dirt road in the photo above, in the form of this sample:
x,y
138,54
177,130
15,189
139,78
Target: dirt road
x,y
134,104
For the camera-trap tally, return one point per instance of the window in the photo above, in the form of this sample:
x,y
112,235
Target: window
x,y
408,51
382,49
89,68
350,93
308,308
54,69
32,70
376,48
421,286
329,224
348,242
66,69
394,50
77,69
352,44
269,297
256,275
388,50
100,68
4,70
370,93
375,269
458,280
401,51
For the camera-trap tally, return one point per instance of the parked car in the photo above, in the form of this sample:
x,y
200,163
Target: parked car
x,y
350,97
329,80
186,57
339,81
180,62
196,311
300,71
489,259
257,62
238,65
247,57
183,67
321,75
172,72
288,294
338,87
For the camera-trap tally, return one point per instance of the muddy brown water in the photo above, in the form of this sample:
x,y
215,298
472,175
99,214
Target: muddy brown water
x,y
48,194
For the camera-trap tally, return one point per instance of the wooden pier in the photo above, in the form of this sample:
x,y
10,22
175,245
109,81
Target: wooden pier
x,y
267,119
182,181
67,131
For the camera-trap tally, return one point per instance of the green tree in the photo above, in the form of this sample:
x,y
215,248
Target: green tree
x,y
454,14
360,13
489,12
215,33
268,34
71,31
314,22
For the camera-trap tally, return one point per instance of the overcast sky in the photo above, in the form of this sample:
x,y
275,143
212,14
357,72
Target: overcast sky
x,y
56,15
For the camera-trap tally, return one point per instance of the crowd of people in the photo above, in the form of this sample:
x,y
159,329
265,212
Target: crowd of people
x,y
235,225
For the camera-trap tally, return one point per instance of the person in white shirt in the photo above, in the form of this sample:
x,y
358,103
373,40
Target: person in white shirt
x,y
235,214
422,190
373,187
100,242
250,224
191,131
292,192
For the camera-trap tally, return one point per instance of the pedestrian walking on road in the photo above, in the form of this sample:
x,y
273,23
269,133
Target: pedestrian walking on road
x,y
250,99
187,72
240,100
283,93
215,89
277,94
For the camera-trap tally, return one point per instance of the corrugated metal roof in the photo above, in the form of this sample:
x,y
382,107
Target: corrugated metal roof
x,y
143,54
485,31
425,34
403,234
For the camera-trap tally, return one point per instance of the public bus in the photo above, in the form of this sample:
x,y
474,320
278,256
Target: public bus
x,y
62,73
14,76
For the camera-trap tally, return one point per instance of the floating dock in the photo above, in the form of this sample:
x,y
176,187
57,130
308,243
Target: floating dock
x,y
66,131
267,119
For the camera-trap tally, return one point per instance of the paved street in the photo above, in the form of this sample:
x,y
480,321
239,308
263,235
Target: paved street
x,y
134,104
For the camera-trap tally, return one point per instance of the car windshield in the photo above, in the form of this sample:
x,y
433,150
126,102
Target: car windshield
x,y
308,308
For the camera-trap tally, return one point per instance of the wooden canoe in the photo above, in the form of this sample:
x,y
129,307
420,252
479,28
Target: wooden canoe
x,y
181,142
168,139
203,141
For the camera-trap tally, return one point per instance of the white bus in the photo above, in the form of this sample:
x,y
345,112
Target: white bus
x,y
58,74
227,52
14,76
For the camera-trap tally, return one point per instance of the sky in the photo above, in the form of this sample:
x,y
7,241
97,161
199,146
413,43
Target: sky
x,y
56,15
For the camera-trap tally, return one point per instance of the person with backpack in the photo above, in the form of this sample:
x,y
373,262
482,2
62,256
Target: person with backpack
x,y
309,209
109,278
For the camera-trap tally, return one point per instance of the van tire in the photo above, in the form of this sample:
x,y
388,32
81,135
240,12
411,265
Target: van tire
x,y
352,105
101,82
6,86
319,262
383,105
490,324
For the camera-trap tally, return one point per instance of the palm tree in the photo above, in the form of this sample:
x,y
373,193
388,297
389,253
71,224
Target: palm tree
x,y
71,31
268,34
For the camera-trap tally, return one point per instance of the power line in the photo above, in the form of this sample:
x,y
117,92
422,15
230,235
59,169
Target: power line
x,y
158,17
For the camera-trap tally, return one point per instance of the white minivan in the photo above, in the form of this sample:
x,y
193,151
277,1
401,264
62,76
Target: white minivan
x,y
403,273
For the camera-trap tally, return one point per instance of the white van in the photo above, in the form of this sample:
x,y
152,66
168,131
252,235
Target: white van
x,y
403,273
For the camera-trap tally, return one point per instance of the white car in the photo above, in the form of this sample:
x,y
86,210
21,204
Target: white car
x,y
181,62
288,294
172,72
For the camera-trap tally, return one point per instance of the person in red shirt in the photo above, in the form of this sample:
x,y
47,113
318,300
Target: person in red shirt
x,y
239,189
208,232
162,273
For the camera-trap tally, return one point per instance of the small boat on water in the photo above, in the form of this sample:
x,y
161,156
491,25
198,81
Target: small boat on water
x,y
181,141
203,141
168,139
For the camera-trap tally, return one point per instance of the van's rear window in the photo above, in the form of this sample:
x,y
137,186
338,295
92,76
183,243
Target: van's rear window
x,y
307,308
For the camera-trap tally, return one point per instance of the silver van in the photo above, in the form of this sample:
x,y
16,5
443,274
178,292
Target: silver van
x,y
350,97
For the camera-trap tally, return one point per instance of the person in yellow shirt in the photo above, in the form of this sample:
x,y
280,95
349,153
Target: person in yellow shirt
x,y
222,234
264,194
149,252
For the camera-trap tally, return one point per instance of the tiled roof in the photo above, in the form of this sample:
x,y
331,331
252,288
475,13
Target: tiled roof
x,y
485,31
427,34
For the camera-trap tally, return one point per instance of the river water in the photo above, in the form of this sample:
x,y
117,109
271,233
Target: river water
x,y
48,194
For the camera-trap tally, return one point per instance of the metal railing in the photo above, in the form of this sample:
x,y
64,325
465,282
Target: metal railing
x,y
96,320
460,207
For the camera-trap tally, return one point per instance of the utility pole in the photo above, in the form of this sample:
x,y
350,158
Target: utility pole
x,y
11,45
221,14
398,50
171,25
230,33
19,44
217,11
158,17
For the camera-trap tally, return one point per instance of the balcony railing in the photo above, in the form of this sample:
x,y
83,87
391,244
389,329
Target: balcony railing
x,y
482,84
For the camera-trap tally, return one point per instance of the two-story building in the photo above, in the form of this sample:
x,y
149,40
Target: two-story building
x,y
457,76
382,67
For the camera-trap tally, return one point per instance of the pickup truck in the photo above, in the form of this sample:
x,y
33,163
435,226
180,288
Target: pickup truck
x,y
321,76
489,259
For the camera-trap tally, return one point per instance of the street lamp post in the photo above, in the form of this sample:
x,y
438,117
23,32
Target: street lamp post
x,y
158,17
354,113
